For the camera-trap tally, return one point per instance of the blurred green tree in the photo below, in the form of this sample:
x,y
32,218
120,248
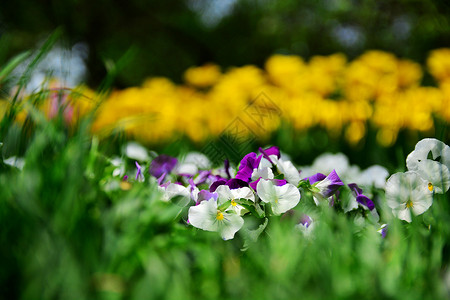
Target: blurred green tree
x,y
170,36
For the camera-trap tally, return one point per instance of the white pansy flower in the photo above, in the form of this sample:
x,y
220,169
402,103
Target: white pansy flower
x,y
287,168
136,151
437,148
282,198
192,163
119,165
327,162
17,162
408,193
198,159
209,217
373,176
178,192
262,172
225,194
437,173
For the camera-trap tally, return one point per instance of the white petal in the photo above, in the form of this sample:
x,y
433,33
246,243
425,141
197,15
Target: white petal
x,y
243,192
351,205
186,168
198,159
403,214
266,190
398,189
422,206
423,147
265,173
16,162
326,162
175,190
288,197
436,173
230,225
375,175
224,194
136,151
203,216
291,174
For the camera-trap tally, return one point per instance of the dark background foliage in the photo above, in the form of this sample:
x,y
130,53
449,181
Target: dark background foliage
x,y
169,36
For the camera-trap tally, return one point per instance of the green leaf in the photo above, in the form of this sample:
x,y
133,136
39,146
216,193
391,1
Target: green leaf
x,y
279,176
254,208
12,64
251,236
224,206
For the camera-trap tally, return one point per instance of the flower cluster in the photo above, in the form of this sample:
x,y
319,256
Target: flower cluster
x,y
411,193
264,185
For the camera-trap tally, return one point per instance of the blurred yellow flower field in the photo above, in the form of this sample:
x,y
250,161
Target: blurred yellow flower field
x,y
375,90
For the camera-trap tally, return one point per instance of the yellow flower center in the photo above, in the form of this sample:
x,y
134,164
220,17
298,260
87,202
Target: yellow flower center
x,y
125,185
409,204
219,215
430,186
233,202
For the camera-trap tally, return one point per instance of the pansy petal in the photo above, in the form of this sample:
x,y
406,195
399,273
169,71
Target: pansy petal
x,y
224,194
265,190
244,193
203,216
216,184
435,173
136,151
423,148
316,177
288,196
403,214
291,173
230,225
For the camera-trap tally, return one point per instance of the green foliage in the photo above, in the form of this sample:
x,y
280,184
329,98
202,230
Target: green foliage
x,y
63,237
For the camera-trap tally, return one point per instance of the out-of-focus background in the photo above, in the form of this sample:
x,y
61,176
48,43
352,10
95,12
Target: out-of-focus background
x,y
79,79
170,36
363,77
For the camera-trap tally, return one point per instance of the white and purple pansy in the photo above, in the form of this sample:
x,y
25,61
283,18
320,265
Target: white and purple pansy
x,y
324,187
247,165
362,199
233,195
139,172
280,195
209,215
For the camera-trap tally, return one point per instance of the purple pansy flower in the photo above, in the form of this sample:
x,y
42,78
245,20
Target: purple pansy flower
x,y
383,230
139,175
162,164
270,151
247,165
314,178
360,198
305,221
233,183
323,187
216,184
205,195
